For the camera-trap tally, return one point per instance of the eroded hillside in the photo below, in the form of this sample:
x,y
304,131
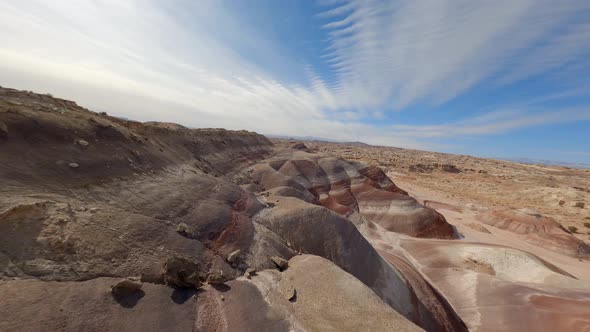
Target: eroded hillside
x,y
561,193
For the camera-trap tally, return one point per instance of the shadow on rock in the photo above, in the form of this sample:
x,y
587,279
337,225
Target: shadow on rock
x,y
181,295
129,300
221,287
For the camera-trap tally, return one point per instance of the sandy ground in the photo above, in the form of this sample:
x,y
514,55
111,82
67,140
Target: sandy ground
x,y
577,267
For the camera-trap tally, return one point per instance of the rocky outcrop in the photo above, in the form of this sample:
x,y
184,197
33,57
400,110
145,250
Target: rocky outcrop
x,y
312,295
49,129
330,235
348,188
181,273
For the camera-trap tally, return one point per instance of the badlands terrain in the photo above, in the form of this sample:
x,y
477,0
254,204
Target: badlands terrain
x,y
561,193
115,225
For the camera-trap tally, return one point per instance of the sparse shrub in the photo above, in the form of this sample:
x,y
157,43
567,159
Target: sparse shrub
x,y
573,229
587,224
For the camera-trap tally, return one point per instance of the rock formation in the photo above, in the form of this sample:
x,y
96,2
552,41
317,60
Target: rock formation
x,y
347,188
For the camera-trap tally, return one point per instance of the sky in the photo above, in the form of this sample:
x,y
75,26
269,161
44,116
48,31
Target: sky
x,y
502,78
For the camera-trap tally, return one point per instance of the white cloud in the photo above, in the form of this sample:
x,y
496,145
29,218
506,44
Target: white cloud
x,y
494,122
180,61
400,52
569,46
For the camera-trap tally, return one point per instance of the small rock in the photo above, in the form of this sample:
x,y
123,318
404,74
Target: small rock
x,y
73,165
93,210
289,292
184,230
181,272
280,262
216,277
233,256
126,286
222,297
250,272
82,142
579,205
531,212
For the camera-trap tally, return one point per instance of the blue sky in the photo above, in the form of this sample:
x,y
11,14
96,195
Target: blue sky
x,y
487,78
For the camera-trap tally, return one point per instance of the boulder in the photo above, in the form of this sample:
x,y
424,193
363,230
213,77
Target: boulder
x,y
217,277
250,272
280,262
233,256
82,142
181,272
184,230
